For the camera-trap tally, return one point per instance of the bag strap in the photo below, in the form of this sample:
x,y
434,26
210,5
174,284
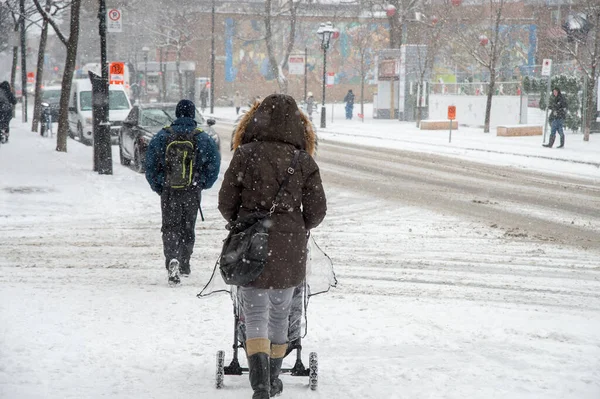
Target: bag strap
x,y
290,171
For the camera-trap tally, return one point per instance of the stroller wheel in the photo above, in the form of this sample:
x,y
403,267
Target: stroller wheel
x,y
313,370
220,369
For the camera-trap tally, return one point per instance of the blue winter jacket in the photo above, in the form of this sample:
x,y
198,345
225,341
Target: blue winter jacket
x,y
208,158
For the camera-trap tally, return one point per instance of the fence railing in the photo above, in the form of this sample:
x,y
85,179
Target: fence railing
x,y
477,88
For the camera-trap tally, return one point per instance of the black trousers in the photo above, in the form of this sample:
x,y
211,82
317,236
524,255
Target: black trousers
x,y
179,213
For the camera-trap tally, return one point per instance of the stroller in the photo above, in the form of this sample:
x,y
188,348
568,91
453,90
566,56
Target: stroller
x,y
319,278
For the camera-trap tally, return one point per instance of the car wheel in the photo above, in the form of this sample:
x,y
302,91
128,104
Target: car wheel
x,y
138,160
124,161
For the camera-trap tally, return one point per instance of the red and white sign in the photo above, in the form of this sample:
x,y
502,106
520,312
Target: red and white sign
x,y
116,72
296,64
546,67
114,22
330,79
30,77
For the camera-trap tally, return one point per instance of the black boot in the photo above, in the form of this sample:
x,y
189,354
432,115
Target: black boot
x,y
258,365
278,352
562,142
550,142
275,370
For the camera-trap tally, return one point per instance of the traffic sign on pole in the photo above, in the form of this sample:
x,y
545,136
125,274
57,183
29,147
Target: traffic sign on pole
x,y
116,73
114,21
546,67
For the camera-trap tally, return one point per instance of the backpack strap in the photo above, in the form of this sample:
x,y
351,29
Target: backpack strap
x,y
290,171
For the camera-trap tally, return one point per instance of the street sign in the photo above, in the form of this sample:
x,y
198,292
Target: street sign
x,y
296,64
451,112
114,22
546,67
330,79
30,77
116,71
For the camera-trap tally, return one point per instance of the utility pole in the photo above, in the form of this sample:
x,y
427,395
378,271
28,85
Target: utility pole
x,y
23,58
212,59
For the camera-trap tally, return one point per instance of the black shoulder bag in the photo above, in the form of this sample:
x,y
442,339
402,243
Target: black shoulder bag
x,y
246,248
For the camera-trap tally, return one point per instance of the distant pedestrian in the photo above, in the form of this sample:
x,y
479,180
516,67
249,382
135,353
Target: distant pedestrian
x,y
7,102
203,98
558,108
349,100
310,105
181,161
237,102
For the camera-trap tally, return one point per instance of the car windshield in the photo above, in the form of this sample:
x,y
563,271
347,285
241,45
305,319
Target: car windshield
x,y
51,95
116,100
171,114
155,117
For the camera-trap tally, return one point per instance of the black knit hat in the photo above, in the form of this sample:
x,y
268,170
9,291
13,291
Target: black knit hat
x,y
185,109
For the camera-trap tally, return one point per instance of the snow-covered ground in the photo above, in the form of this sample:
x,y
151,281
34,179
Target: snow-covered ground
x,y
427,306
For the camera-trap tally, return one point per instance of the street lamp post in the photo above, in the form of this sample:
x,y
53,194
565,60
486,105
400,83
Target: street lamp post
x,y
325,31
145,50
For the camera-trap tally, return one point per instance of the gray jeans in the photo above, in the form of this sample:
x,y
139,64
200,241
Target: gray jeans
x,y
267,313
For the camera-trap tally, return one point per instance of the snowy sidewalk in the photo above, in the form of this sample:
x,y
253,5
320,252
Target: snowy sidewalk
x,y
577,158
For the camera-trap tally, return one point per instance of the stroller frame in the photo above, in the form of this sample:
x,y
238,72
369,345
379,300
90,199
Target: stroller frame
x,y
234,368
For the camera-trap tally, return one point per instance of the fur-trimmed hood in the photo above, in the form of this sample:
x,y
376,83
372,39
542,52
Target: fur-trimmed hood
x,y
276,118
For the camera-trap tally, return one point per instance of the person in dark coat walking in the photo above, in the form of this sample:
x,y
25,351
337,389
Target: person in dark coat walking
x,y
203,98
558,106
265,142
167,160
349,100
7,102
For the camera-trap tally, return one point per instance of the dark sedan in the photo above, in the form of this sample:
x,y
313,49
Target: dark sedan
x,y
143,122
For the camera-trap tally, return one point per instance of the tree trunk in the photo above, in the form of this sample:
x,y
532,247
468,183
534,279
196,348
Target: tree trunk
x,y
23,60
269,42
363,74
488,105
65,94
590,114
13,73
40,73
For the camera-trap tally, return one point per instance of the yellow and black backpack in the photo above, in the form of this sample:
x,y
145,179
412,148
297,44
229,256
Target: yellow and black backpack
x,y
180,158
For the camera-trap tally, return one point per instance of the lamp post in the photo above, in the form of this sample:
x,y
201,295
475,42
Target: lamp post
x,y
145,50
325,32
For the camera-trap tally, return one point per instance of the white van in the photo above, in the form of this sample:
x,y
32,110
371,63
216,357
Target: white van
x,y
80,110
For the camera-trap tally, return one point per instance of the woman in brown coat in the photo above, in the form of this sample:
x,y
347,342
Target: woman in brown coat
x,y
264,143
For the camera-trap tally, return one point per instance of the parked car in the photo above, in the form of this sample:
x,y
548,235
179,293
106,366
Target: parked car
x,y
51,95
80,110
143,122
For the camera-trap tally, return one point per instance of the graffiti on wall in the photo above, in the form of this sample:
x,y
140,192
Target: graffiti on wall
x,y
246,58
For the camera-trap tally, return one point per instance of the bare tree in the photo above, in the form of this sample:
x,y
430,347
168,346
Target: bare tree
x,y
429,34
52,8
71,58
484,43
289,9
582,43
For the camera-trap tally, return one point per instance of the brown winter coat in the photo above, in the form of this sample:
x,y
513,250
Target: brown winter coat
x,y
264,145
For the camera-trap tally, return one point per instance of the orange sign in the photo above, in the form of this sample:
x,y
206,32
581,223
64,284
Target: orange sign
x,y
451,112
116,71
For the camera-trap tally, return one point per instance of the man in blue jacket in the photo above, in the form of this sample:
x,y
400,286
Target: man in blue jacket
x,y
181,161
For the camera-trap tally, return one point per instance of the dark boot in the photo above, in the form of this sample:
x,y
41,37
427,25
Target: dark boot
x,y
258,365
562,142
277,355
550,142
